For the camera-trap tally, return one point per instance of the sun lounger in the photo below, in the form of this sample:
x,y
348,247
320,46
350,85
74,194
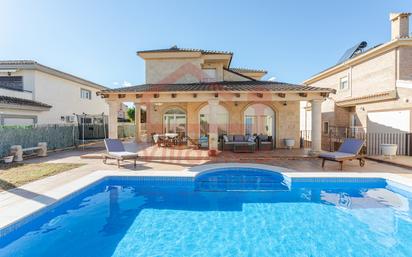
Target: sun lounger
x,y
115,150
349,150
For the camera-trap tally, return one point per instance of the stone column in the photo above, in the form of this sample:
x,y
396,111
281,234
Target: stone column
x,y
316,127
114,107
137,121
213,131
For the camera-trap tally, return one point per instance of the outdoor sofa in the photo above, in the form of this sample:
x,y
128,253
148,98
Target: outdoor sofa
x,y
238,143
348,150
115,150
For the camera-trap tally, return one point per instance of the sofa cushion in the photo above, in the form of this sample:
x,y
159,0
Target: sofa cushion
x,y
239,138
225,138
263,137
250,138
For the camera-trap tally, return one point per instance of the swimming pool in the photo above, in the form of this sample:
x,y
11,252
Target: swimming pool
x,y
230,212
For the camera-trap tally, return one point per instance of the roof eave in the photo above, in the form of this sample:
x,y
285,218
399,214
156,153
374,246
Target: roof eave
x,y
359,59
33,65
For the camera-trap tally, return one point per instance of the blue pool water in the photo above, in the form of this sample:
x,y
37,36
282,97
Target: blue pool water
x,y
239,213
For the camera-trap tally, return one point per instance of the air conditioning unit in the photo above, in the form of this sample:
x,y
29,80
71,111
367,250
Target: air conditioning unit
x,y
70,118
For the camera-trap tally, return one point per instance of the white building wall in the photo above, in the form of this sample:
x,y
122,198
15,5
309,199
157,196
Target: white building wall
x,y
28,85
389,121
64,97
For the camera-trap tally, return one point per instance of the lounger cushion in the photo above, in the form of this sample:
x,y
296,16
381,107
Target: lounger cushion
x,y
336,155
351,145
114,145
123,154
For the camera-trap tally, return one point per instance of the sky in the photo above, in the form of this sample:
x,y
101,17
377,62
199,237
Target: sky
x,y
98,40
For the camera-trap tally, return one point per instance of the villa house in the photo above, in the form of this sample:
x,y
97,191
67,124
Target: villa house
x,y
373,87
197,93
31,93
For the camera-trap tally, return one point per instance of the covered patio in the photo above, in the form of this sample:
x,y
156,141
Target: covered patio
x,y
203,113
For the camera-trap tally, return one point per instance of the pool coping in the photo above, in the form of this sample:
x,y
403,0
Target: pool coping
x,y
22,210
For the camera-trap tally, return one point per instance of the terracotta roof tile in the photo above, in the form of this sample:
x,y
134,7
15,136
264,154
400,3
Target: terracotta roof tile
x,y
178,49
220,86
246,70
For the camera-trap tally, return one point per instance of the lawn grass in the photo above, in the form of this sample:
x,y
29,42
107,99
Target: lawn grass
x,y
17,174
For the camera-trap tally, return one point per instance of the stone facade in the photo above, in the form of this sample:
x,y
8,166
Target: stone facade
x,y
286,118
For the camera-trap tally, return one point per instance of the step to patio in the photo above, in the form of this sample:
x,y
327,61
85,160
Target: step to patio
x,y
400,161
220,157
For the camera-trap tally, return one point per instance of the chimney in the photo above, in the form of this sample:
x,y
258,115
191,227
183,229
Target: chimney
x,y
399,25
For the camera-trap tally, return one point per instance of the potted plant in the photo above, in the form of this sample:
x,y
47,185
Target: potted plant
x,y
212,152
389,150
8,159
289,142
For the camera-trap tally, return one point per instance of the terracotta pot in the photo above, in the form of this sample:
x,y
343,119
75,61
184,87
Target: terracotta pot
x,y
212,152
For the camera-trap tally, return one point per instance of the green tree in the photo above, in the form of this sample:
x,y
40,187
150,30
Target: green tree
x,y
130,113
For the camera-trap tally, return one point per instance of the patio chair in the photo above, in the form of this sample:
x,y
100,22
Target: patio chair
x,y
348,150
115,150
265,143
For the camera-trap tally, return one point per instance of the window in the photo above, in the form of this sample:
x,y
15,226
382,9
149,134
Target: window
x,y
12,82
209,75
325,127
174,121
85,94
344,83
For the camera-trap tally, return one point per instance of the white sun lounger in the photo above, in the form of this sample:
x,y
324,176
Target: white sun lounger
x,y
349,150
115,150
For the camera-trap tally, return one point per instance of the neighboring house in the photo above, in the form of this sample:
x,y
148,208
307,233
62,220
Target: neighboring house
x,y
373,87
198,94
31,93
122,113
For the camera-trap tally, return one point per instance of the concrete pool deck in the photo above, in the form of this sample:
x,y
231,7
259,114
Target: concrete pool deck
x,y
22,202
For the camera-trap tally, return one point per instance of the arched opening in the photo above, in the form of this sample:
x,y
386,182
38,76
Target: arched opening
x,y
174,121
222,121
259,119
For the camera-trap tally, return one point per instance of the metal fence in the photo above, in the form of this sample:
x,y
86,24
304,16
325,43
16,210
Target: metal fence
x,y
57,136
126,130
305,139
403,140
332,140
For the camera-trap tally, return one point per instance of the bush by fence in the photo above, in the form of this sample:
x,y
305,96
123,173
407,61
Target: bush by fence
x,y
57,136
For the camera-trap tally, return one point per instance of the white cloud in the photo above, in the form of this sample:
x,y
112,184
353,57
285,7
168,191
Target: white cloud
x,y
116,83
126,84
272,79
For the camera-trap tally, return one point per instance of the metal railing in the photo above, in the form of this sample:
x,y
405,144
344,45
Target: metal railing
x,y
333,139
